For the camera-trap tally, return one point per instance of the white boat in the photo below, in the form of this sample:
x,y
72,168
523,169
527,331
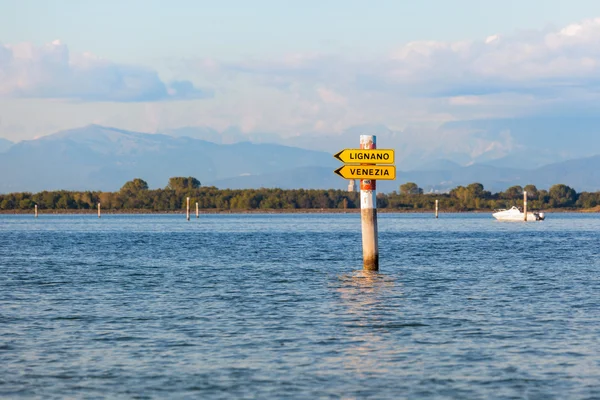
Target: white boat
x,y
515,214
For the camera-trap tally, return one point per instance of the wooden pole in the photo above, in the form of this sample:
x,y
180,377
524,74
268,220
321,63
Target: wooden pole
x,y
188,209
197,211
437,208
98,210
525,206
36,212
368,213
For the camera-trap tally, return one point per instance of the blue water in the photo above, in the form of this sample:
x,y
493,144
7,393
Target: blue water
x,y
276,306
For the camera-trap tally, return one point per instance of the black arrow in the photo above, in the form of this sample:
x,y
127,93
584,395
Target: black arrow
x,y
337,171
338,156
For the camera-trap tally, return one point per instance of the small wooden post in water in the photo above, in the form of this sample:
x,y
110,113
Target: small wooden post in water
x,y
525,206
36,213
98,210
437,208
197,211
368,213
188,209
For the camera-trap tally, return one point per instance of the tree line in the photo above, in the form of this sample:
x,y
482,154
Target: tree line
x,y
135,195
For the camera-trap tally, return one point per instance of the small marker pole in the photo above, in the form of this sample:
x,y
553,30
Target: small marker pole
x,y
36,212
368,213
437,208
197,211
98,210
188,209
525,206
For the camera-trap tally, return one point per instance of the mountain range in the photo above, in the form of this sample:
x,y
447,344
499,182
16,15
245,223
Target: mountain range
x,y
525,143
102,158
4,145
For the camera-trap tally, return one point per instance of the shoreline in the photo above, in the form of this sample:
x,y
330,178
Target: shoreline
x,y
271,211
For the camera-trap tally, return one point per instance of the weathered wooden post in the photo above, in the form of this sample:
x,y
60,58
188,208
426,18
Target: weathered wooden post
x,y
36,212
188,209
525,206
365,168
197,211
437,208
368,213
98,210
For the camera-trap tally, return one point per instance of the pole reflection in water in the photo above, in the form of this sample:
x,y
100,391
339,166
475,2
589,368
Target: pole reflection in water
x,y
371,305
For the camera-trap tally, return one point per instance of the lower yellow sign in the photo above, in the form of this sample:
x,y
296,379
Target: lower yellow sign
x,y
379,172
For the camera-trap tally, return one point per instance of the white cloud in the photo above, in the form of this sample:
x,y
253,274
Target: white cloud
x,y
331,97
419,84
529,62
51,71
525,62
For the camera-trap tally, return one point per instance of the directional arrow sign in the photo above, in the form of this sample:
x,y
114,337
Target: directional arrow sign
x,y
360,156
379,172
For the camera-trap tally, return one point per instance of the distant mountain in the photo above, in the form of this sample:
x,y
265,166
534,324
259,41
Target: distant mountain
x,y
230,135
524,143
404,142
100,158
5,145
196,132
437,165
528,142
583,174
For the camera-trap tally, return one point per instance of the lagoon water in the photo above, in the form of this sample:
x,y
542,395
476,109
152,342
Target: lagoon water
x,y
276,306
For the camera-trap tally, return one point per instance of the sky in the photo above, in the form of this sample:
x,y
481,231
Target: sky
x,y
292,68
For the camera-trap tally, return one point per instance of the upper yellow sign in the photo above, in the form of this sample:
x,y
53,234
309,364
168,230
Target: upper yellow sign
x,y
360,156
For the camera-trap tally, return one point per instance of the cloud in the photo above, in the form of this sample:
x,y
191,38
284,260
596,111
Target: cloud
x,y
544,63
51,71
416,87
425,82
532,62
331,97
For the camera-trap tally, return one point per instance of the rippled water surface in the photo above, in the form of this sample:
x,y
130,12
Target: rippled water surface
x,y
276,306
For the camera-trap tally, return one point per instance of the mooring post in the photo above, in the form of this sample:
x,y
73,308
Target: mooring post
x,y
368,213
98,210
437,208
36,214
525,206
197,211
188,209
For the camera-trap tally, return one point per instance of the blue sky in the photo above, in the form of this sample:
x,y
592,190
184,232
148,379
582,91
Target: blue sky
x,y
290,67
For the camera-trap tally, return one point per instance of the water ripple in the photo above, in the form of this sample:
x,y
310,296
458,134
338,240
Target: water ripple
x,y
277,306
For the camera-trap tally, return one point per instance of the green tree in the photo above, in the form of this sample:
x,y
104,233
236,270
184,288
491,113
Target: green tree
x,y
7,204
26,204
563,195
182,183
134,186
513,193
532,192
477,191
410,188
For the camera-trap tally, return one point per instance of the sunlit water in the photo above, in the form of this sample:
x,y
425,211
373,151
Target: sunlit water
x,y
276,306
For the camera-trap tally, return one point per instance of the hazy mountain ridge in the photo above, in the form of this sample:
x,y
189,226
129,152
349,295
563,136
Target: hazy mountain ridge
x,y
101,158
5,144
526,143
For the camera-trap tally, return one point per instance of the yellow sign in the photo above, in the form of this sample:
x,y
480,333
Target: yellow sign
x,y
379,172
360,156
